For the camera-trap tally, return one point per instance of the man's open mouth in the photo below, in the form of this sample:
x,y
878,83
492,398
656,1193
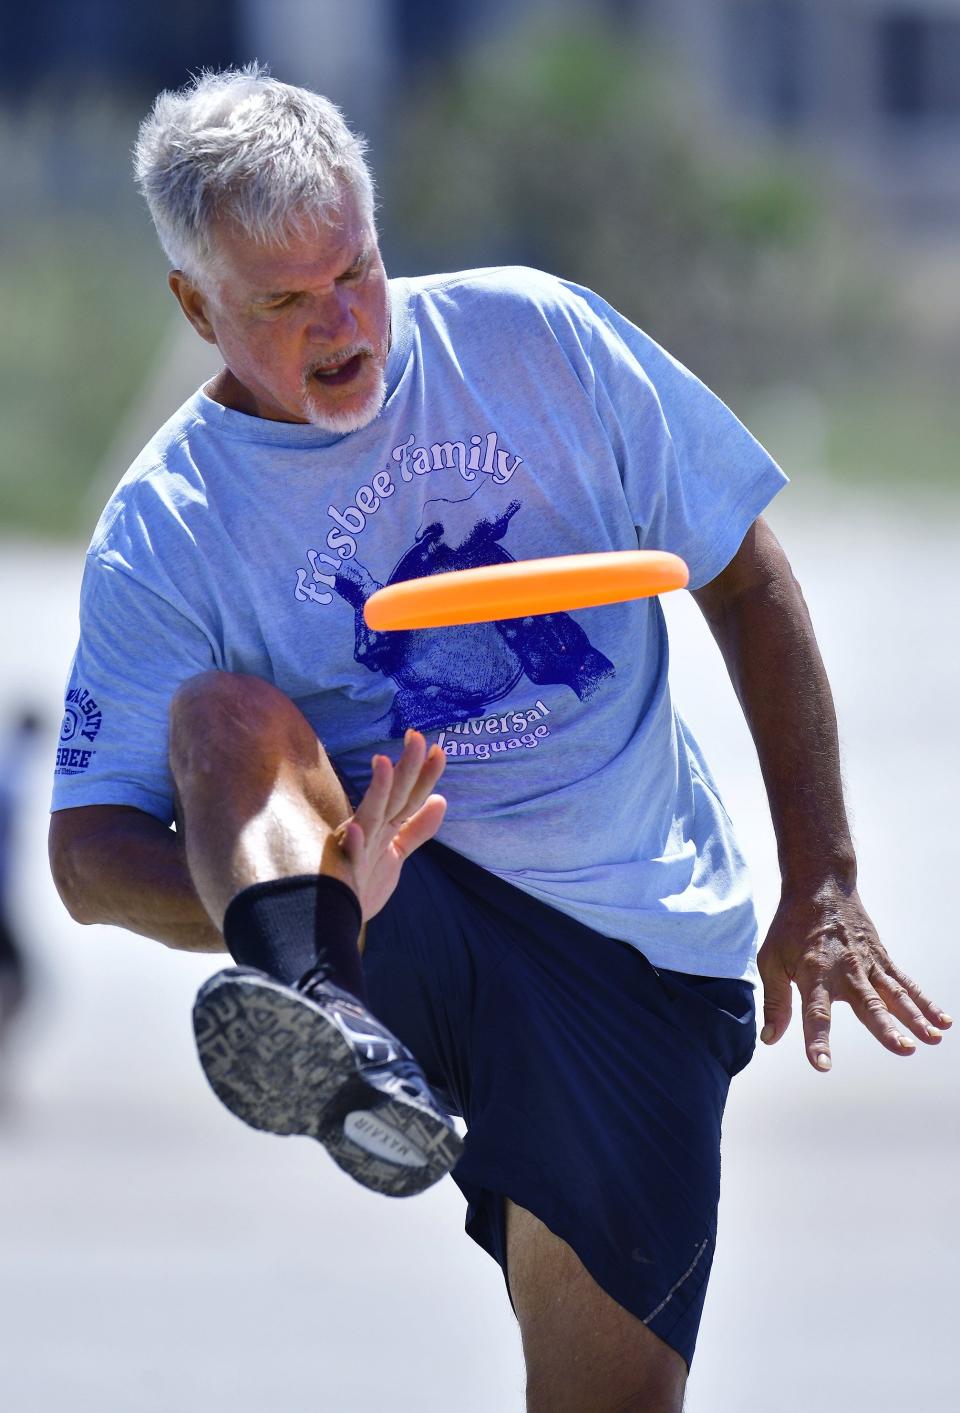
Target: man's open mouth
x,y
337,373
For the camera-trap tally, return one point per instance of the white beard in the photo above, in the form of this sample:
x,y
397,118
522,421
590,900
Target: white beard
x,y
353,420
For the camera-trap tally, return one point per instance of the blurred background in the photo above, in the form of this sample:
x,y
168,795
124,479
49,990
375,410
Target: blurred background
x,y
770,188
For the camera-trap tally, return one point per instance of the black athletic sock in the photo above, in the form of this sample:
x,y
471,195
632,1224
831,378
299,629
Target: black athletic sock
x,y
289,926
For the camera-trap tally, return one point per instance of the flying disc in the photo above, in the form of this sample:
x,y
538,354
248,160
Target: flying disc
x,y
524,588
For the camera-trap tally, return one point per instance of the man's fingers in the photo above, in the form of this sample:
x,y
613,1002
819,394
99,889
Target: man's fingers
x,y
901,1004
777,1006
869,1008
370,811
423,786
933,1013
405,774
420,826
397,792
816,1025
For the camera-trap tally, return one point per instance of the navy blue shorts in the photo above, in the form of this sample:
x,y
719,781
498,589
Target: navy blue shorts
x,y
592,1085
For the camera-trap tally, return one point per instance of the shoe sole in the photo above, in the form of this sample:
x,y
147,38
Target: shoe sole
x,y
282,1066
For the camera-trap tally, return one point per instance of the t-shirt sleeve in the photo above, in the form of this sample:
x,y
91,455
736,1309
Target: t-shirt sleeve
x,y
694,477
136,647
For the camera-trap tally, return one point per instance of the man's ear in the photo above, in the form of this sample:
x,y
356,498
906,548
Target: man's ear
x,y
193,302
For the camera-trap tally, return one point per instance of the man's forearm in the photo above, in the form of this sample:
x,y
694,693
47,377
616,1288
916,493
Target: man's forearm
x,y
126,869
768,644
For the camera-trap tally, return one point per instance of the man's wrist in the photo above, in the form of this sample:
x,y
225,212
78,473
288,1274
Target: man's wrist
x,y
837,872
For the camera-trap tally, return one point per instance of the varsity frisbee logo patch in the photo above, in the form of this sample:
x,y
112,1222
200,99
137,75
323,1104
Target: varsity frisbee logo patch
x,y
82,719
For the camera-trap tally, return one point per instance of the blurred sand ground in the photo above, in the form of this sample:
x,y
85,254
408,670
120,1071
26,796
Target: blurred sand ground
x,y
160,1258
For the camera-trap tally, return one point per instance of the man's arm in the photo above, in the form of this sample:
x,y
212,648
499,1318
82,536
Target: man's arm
x,y
821,937
120,866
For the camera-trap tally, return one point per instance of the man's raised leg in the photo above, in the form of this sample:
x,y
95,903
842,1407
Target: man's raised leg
x,y
260,800
289,873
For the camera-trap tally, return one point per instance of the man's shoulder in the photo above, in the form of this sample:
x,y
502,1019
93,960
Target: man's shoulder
x,y
499,287
160,483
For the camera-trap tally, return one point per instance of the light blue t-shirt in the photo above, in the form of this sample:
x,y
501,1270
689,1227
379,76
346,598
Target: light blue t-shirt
x,y
524,417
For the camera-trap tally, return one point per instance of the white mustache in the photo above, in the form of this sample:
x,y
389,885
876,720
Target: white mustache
x,y
340,360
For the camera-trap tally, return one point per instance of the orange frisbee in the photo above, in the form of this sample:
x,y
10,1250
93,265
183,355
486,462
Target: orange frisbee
x,y
523,588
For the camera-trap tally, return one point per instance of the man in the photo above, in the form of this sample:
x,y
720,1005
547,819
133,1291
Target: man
x,y
571,960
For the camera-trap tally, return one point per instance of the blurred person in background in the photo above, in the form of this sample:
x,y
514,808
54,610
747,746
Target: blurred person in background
x,y
15,755
567,957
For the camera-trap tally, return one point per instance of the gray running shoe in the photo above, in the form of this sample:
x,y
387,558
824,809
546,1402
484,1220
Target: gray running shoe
x,y
311,1059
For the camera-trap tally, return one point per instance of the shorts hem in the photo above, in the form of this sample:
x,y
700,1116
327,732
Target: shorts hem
x,y
529,1191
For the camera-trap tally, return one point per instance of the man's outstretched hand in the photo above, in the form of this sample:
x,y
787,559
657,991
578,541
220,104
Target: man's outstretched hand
x,y
827,944
398,813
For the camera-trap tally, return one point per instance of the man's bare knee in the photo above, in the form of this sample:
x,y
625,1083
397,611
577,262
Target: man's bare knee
x,y
256,795
220,717
237,743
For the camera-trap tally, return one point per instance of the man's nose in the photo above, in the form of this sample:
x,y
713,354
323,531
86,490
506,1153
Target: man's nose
x,y
331,318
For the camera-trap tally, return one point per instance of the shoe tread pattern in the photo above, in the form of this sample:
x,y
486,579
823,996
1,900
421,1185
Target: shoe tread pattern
x,y
283,1066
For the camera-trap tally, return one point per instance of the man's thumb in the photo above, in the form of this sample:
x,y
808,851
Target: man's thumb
x,y
777,1008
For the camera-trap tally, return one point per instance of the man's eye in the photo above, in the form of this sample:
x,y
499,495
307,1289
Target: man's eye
x,y
280,303
357,271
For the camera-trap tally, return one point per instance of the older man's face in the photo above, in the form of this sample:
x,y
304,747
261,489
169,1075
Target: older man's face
x,y
304,328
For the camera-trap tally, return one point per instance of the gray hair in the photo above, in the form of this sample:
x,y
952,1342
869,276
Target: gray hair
x,y
239,145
